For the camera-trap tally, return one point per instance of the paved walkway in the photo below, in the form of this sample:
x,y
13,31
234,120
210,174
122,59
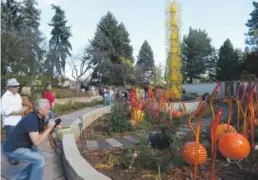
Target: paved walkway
x,y
131,140
54,168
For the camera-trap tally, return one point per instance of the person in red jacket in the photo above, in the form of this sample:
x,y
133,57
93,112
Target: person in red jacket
x,y
49,95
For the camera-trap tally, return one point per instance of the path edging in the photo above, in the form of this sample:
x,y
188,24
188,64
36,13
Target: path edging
x,y
75,166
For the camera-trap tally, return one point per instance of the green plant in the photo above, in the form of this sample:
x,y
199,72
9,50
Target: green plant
x,y
159,160
128,158
144,153
71,106
144,125
61,93
149,116
118,120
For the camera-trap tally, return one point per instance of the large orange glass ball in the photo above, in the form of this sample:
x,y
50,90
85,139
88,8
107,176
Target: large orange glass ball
x,y
222,129
234,146
189,153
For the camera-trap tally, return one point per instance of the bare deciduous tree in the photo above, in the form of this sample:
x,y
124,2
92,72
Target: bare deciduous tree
x,y
81,68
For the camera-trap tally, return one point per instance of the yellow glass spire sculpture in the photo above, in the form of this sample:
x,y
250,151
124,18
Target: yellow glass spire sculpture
x,y
174,76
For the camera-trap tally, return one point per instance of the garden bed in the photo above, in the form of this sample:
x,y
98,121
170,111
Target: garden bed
x,y
143,162
62,109
99,130
68,93
177,170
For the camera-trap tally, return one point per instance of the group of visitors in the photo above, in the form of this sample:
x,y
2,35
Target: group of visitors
x,y
26,128
107,94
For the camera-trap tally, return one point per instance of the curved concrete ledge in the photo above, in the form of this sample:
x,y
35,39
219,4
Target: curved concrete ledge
x,y
75,166
190,106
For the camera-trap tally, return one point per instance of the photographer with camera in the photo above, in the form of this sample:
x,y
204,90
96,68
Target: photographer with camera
x,y
22,144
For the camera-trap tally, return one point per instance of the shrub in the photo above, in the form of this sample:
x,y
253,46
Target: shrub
x,y
67,93
71,106
128,158
144,125
149,116
118,118
159,159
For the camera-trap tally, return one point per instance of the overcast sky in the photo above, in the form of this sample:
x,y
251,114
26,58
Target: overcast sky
x,y
145,20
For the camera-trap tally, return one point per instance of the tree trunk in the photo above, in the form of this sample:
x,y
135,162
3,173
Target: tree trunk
x,y
78,85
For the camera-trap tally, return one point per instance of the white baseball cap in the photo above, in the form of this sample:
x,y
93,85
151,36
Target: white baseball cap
x,y
12,82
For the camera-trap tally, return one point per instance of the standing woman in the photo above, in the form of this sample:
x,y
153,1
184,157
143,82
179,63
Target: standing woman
x,y
49,95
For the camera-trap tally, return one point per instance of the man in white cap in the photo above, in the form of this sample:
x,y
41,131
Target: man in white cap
x,y
11,108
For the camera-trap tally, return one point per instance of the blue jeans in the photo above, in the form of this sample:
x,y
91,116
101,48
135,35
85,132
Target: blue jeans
x,y
34,171
107,101
8,130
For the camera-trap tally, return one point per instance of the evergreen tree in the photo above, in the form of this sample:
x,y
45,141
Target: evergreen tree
x,y
31,18
145,57
197,53
126,48
145,63
11,17
20,40
228,62
109,46
10,21
251,52
59,45
252,24
250,64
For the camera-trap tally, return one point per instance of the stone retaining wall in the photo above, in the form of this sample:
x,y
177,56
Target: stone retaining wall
x,y
75,166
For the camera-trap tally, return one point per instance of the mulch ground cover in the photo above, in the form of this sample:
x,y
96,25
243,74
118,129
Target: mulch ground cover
x,y
224,169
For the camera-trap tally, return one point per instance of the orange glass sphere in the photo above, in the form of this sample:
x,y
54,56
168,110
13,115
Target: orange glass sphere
x,y
222,129
189,153
234,146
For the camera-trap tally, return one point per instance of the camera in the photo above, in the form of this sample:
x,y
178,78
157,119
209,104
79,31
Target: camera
x,y
56,122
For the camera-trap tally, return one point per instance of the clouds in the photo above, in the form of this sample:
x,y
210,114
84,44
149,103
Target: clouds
x,y
47,3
